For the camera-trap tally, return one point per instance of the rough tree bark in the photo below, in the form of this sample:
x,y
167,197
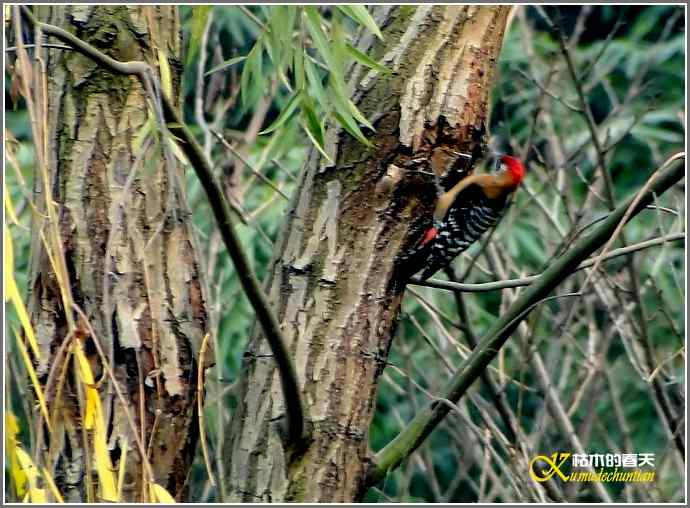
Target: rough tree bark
x,y
331,279
127,242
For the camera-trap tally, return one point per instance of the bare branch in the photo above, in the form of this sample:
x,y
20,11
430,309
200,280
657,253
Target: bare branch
x,y
423,424
526,281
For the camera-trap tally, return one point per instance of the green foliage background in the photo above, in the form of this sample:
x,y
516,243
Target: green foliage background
x,y
635,89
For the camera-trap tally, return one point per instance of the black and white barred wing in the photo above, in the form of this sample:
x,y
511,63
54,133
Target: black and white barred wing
x,y
471,215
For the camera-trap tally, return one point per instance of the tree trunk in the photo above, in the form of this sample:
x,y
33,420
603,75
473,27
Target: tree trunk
x,y
332,280
126,237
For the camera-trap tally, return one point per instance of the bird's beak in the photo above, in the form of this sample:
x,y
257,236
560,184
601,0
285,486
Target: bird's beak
x,y
494,160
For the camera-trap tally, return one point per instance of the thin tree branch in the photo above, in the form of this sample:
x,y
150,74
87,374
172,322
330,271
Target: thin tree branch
x,y
426,421
526,281
496,393
221,211
255,171
12,49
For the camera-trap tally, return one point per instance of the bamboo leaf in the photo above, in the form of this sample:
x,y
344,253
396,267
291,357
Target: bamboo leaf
x,y
338,38
316,85
350,126
361,15
285,114
251,81
358,115
298,63
346,113
313,121
199,18
321,42
228,63
279,35
312,126
245,79
366,59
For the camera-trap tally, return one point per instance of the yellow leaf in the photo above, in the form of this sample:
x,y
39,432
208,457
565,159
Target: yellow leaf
x,y
121,472
36,494
177,151
34,379
106,476
11,425
53,488
8,254
18,475
84,367
8,203
166,75
93,419
92,412
12,293
160,495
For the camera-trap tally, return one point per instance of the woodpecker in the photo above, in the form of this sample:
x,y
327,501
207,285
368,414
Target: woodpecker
x,y
462,215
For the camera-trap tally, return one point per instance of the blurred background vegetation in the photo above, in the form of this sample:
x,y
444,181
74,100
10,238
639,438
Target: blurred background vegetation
x,y
629,63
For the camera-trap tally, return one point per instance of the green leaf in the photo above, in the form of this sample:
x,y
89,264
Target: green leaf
x,y
291,16
199,19
312,121
228,63
347,109
338,39
280,34
285,113
321,42
365,59
268,44
298,67
315,142
358,115
351,126
245,79
251,82
313,126
361,15
316,85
